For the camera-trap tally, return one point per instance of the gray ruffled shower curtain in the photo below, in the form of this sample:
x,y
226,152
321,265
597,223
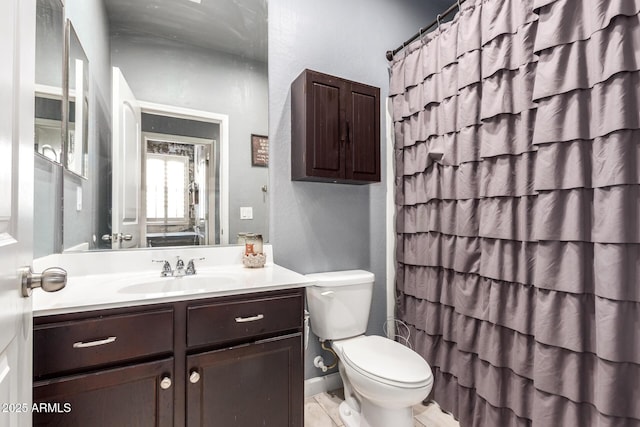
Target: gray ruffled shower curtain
x,y
517,162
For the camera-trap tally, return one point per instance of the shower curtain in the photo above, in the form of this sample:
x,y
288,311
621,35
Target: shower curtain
x,y
517,177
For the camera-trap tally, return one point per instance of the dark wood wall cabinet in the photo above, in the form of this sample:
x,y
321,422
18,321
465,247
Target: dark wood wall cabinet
x,y
229,361
335,130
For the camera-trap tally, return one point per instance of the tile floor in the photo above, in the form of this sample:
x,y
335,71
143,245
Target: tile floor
x,y
321,410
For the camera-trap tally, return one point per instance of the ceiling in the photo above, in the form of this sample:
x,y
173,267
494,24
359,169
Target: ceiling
x,y
238,27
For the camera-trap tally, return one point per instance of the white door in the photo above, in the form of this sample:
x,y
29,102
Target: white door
x,y
17,76
126,222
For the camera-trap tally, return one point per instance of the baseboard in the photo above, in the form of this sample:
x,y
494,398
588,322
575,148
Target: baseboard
x,y
318,385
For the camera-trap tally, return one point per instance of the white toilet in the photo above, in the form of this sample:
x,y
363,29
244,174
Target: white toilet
x,y
382,379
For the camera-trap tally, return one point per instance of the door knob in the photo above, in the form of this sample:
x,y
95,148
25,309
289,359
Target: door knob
x,y
194,377
50,280
119,237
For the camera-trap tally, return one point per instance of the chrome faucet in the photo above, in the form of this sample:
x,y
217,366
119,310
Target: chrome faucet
x,y
179,271
166,268
191,268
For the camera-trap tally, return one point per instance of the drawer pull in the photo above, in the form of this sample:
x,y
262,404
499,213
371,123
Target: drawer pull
x,y
249,319
81,344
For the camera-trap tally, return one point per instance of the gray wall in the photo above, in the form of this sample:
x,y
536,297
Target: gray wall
x,y
316,226
170,73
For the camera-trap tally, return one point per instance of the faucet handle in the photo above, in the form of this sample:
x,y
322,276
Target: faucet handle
x,y
166,267
191,267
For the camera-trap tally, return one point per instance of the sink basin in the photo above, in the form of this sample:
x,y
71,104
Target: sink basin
x,y
166,286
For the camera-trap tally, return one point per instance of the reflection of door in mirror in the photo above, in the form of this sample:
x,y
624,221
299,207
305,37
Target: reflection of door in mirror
x,y
126,221
178,202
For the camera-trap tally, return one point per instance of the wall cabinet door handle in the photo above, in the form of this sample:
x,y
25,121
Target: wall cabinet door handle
x,y
85,344
194,377
249,319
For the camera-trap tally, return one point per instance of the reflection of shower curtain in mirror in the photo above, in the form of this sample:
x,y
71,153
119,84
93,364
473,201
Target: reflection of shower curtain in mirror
x,y
517,143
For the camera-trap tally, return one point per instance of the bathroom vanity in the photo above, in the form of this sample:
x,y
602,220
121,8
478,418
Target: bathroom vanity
x,y
223,356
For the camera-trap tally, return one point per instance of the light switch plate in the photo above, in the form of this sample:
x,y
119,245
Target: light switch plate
x,y
78,199
246,212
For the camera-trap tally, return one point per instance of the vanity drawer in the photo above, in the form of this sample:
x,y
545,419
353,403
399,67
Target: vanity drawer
x,y
74,345
216,323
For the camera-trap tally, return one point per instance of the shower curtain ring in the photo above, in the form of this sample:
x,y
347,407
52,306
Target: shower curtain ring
x,y
459,3
438,21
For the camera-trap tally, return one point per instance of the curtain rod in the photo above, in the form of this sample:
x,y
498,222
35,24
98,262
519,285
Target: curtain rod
x,y
451,9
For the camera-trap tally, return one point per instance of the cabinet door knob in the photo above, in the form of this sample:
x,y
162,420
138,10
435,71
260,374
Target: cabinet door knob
x,y
194,377
165,383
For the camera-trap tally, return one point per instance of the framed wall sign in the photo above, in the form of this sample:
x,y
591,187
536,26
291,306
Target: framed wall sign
x,y
259,150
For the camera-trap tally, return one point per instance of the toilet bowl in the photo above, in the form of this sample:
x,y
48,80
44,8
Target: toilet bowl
x,y
386,378
382,378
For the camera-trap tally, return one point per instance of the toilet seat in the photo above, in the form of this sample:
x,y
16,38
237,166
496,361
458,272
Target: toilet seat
x,y
386,361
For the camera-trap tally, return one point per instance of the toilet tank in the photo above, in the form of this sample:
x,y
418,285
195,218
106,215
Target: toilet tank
x,y
339,303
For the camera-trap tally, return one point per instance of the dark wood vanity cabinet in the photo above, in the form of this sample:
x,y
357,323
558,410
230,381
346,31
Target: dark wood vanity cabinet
x,y
335,130
254,384
227,361
132,395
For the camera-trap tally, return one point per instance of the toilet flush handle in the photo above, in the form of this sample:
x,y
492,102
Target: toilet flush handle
x,y
327,293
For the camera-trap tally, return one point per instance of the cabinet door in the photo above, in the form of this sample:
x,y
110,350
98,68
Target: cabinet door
x,y
326,134
259,384
128,396
363,129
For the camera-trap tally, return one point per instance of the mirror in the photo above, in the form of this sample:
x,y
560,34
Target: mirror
x,y
202,62
77,124
49,68
48,132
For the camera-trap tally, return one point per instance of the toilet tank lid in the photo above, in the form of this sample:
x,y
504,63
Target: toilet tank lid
x,y
341,278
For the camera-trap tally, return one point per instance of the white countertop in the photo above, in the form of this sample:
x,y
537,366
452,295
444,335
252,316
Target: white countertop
x,y
87,291
103,291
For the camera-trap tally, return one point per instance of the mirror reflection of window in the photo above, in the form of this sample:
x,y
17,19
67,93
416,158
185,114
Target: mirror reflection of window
x,y
167,190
